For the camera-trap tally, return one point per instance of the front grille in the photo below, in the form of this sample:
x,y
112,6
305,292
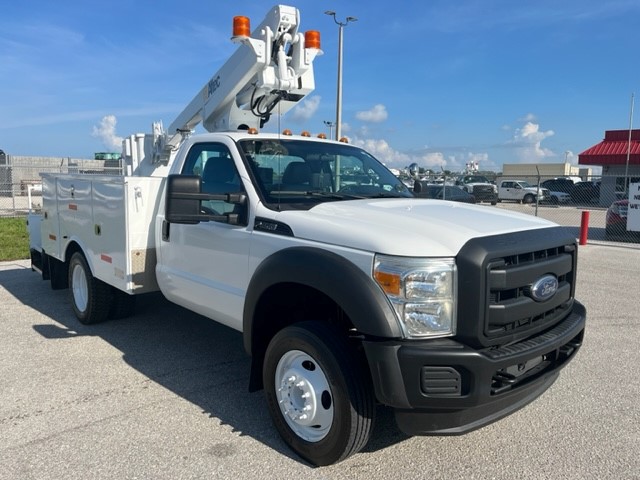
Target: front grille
x,y
510,309
482,192
496,274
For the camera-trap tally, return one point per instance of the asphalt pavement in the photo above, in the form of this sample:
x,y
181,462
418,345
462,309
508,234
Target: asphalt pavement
x,y
163,395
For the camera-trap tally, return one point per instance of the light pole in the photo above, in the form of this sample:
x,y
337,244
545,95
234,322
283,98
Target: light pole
x,y
341,26
330,125
626,167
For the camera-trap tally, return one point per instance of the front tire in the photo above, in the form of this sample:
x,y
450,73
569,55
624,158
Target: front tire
x,y
318,392
90,297
528,199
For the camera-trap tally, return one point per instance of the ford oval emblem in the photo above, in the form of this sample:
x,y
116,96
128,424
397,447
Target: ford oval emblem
x,y
544,288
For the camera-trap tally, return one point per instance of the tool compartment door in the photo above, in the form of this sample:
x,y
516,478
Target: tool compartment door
x,y
108,232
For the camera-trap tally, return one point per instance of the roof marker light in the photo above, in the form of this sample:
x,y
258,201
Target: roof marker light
x,y
287,132
252,131
305,133
344,140
241,26
322,136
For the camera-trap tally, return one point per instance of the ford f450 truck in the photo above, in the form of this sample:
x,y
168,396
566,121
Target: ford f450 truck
x,y
349,292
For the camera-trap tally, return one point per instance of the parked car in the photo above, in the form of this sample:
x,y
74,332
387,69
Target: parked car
x,y
557,197
616,222
558,185
585,192
442,192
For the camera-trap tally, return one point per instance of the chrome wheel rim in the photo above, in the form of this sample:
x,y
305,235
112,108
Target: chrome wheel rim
x,y
80,288
304,396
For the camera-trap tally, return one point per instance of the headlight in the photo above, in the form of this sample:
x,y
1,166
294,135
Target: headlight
x,y
422,292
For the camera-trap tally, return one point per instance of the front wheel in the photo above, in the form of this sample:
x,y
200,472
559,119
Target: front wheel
x,y
528,199
318,392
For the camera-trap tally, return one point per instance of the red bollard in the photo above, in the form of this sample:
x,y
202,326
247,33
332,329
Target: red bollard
x,y
584,227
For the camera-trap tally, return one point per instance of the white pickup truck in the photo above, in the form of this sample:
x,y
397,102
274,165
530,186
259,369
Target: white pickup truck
x,y
348,291
520,191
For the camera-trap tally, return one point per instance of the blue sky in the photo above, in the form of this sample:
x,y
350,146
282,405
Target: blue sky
x,y
436,82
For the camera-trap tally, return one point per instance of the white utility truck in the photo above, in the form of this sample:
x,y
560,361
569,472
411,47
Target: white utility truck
x,y
480,187
349,292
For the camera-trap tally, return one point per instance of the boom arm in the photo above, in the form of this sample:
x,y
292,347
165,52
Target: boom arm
x,y
271,67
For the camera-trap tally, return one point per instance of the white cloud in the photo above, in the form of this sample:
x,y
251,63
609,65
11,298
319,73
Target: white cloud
x,y
392,158
306,109
376,115
529,117
432,160
106,131
528,141
380,149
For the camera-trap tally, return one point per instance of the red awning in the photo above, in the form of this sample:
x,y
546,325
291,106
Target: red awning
x,y
613,149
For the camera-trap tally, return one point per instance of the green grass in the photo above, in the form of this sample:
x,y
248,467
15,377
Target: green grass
x,y
14,239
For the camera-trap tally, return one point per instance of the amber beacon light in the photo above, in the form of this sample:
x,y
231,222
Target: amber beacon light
x,y
312,39
241,26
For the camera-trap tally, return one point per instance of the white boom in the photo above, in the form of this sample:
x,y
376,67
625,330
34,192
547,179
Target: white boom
x,y
272,67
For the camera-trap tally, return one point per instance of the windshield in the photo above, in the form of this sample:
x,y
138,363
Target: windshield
x,y
298,174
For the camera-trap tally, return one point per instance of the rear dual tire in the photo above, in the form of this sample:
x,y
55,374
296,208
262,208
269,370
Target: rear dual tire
x,y
90,297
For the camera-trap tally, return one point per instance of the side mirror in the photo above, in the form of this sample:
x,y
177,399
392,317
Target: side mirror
x,y
182,202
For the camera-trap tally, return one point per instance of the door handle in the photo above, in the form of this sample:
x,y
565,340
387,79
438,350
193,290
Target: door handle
x,y
165,230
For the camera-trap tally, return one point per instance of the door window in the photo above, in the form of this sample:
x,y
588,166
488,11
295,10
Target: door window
x,y
214,164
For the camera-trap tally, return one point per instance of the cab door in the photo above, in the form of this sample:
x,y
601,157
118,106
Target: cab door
x,y
508,190
204,267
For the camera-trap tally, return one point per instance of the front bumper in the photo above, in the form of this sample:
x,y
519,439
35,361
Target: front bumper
x,y
443,387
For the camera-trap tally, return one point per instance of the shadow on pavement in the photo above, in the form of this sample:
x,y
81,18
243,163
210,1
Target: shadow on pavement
x,y
198,359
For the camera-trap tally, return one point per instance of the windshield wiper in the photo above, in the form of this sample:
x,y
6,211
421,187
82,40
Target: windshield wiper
x,y
387,195
335,195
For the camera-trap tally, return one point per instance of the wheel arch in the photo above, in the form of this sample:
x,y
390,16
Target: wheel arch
x,y
57,270
73,247
299,283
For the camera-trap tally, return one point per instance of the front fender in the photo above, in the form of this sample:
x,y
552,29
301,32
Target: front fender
x,y
335,276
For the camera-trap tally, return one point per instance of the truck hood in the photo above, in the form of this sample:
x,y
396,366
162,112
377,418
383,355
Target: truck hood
x,y
406,227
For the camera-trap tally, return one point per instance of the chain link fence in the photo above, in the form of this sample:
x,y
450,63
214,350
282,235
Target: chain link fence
x,y
20,180
563,201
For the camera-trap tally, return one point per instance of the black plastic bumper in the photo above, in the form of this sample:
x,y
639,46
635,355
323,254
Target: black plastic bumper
x,y
442,387
485,197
